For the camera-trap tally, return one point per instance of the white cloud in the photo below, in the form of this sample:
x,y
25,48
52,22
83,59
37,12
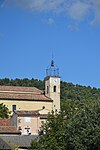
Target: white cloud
x,y
75,9
38,5
96,9
78,10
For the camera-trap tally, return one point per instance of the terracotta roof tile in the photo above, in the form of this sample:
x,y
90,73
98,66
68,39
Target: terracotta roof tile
x,y
20,89
24,112
22,93
36,112
5,122
8,129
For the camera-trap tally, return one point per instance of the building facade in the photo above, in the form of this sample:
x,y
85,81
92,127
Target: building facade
x,y
31,98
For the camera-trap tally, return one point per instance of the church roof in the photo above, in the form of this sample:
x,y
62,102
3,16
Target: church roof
x,y
20,89
22,93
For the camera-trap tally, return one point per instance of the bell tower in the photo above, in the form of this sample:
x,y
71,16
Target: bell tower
x,y
52,85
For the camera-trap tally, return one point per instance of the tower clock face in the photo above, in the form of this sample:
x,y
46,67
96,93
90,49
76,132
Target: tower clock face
x,y
54,80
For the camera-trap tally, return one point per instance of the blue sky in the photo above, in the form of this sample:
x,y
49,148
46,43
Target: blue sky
x,y
31,30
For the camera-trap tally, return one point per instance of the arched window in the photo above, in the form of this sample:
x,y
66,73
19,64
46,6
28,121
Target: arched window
x,y
47,89
54,89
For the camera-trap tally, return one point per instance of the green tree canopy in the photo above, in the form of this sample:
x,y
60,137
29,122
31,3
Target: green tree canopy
x,y
75,128
4,111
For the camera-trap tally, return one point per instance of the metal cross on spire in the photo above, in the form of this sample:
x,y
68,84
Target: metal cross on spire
x,y
52,61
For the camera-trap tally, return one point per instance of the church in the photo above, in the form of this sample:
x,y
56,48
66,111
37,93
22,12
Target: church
x,y
31,98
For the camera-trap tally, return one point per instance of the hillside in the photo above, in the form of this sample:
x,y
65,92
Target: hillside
x,y
78,92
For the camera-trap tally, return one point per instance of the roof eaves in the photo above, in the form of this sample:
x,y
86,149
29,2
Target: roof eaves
x,y
45,100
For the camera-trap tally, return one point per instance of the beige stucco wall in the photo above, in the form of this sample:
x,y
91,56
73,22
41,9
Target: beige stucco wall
x,y
27,105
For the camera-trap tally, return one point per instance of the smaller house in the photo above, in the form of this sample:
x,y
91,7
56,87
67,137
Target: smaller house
x,y
11,138
29,122
21,129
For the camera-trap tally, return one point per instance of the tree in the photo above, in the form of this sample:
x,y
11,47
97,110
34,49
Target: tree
x,y
76,128
4,111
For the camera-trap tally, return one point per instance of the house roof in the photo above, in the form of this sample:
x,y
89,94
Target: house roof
x,y
22,93
31,113
4,145
25,112
8,129
5,121
23,141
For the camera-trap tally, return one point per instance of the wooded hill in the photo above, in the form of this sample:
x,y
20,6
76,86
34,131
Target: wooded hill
x,y
69,91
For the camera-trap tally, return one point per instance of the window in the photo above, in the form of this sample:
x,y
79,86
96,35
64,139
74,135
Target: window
x,y
27,131
43,107
54,89
47,89
27,119
13,108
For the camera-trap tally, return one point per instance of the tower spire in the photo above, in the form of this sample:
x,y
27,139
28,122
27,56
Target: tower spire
x,y
52,69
